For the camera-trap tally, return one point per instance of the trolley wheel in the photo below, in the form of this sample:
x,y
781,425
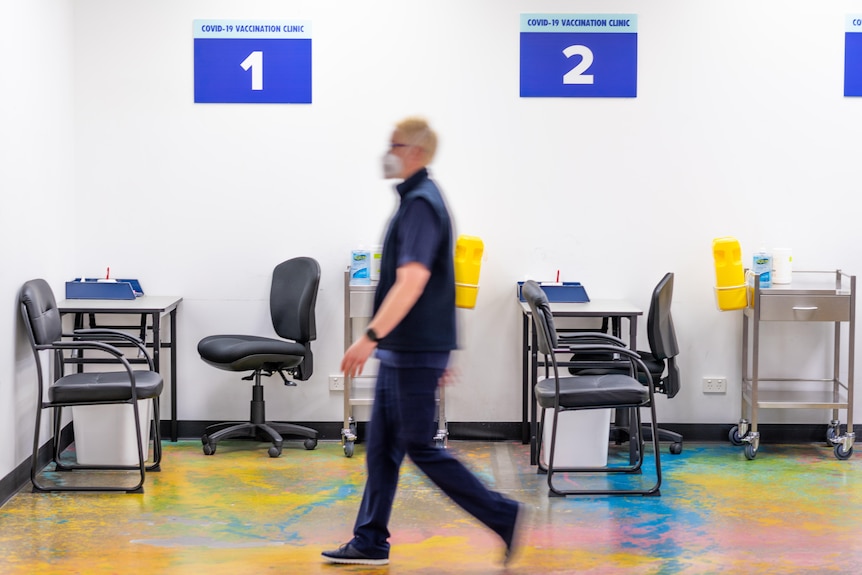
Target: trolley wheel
x,y
209,448
733,436
348,449
750,451
831,435
310,443
841,453
274,451
438,443
675,448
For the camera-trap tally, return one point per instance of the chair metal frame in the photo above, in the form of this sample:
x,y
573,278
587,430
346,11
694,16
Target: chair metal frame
x,y
549,347
77,342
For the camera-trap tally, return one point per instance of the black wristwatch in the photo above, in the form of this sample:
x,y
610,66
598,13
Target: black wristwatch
x,y
372,335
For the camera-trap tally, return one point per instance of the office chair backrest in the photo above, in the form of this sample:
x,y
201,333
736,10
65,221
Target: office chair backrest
x,y
660,331
293,297
40,313
662,335
541,310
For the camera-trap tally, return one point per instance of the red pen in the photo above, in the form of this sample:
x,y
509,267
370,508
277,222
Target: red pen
x,y
558,276
108,273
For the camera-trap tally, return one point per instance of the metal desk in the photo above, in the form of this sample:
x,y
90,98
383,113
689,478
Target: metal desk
x,y
812,296
147,305
614,309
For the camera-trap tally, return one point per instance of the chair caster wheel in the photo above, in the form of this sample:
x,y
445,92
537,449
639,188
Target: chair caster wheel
x,y
675,448
209,448
310,443
274,451
348,449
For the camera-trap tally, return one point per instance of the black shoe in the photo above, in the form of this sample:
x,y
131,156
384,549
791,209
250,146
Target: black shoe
x,y
513,543
348,554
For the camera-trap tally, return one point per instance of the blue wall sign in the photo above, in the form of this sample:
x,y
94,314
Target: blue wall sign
x,y
240,61
853,56
579,55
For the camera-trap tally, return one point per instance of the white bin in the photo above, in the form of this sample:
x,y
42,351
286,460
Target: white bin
x,y
105,434
582,438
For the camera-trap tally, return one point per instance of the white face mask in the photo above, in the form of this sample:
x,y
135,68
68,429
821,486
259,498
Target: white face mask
x,y
392,166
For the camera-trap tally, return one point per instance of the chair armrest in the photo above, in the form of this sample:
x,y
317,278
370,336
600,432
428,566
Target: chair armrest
x,y
105,334
625,353
79,345
589,337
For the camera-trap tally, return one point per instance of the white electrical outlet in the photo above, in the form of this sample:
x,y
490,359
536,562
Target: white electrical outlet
x,y
715,385
336,383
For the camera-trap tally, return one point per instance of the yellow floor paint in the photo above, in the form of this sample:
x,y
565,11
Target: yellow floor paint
x,y
795,509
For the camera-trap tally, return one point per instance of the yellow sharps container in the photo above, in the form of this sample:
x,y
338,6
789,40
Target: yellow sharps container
x,y
468,262
730,291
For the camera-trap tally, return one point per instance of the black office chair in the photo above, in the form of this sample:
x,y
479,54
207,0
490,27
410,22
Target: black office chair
x,y
44,330
292,300
660,359
619,391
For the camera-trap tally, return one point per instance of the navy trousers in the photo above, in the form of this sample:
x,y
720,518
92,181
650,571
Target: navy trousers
x,y
402,422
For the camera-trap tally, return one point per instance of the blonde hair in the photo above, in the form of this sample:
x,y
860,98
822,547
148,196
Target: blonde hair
x,y
417,131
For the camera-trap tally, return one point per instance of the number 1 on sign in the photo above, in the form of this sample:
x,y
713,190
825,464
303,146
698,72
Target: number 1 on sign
x,y
255,62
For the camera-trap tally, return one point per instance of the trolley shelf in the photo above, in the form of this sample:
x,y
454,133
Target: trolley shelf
x,y
797,400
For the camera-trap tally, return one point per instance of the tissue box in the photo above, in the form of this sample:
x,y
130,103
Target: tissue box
x,y
92,288
564,292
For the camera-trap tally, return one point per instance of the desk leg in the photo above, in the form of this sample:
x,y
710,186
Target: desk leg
x,y
525,381
624,423
534,376
157,363
79,324
173,345
157,342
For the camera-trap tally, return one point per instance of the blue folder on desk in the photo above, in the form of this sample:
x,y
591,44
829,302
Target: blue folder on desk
x,y
561,292
92,288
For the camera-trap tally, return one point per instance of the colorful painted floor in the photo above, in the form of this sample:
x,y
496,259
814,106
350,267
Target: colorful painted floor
x,y
794,509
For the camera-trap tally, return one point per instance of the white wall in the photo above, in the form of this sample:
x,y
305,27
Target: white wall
x,y
739,128
37,185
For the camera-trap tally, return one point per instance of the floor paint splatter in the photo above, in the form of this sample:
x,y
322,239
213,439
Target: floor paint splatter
x,y
794,509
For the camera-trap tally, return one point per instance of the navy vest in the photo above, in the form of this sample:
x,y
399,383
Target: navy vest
x,y
430,325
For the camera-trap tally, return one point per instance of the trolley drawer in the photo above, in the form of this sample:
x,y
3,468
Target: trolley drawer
x,y
804,308
361,303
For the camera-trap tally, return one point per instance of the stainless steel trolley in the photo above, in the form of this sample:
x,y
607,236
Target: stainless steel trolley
x,y
812,296
358,309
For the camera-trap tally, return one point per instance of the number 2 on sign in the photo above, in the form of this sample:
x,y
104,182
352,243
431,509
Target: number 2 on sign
x,y
576,75
255,62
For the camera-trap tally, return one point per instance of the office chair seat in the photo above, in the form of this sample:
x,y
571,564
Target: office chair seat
x,y
248,352
592,391
654,365
88,388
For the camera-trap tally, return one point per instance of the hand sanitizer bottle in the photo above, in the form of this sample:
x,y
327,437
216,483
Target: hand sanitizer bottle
x,y
762,266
